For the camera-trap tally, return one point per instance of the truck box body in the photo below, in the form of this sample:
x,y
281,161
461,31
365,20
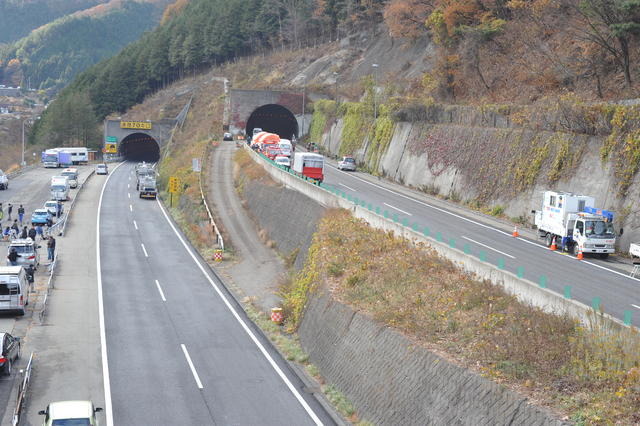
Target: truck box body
x,y
60,188
309,164
557,208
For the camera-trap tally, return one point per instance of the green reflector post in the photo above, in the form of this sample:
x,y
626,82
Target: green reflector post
x,y
386,214
543,281
439,236
415,227
369,207
567,292
501,263
483,256
520,271
377,209
395,217
627,317
349,197
467,249
595,303
405,222
356,201
452,243
425,231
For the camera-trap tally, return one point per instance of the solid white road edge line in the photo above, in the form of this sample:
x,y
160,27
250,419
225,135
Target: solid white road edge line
x,y
108,410
395,208
193,369
161,292
635,306
473,221
243,324
348,187
144,250
128,185
129,194
130,208
135,225
490,248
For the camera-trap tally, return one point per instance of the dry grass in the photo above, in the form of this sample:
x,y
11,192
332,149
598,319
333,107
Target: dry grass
x,y
593,376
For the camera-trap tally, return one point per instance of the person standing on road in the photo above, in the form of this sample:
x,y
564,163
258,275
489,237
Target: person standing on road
x,y
15,226
24,233
6,234
39,231
13,257
9,210
20,213
32,233
51,248
1,213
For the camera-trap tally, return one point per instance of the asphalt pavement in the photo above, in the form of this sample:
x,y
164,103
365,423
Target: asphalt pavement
x,y
589,281
180,349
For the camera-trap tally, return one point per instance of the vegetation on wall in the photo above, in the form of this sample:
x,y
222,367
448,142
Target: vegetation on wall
x,y
622,146
591,375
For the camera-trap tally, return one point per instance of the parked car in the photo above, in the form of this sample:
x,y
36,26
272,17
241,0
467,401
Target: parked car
x,y
101,169
41,217
54,207
14,288
70,413
27,252
227,137
283,161
10,352
347,163
4,181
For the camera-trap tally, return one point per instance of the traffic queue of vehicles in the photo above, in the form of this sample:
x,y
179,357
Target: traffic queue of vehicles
x,y
146,181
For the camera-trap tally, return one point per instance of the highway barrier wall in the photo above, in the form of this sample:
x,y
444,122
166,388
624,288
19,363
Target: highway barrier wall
x,y
392,381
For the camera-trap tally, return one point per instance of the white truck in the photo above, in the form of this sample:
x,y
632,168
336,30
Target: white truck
x,y
571,220
60,188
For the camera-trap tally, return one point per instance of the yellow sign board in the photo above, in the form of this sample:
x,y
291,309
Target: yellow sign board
x,y
111,148
173,184
145,125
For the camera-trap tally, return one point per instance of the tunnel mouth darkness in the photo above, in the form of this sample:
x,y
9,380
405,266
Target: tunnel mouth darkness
x,y
273,118
140,147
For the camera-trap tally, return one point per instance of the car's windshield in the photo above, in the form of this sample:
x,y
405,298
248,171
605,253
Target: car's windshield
x,y
70,174
313,162
599,229
50,157
8,284
58,188
39,213
349,160
22,249
71,422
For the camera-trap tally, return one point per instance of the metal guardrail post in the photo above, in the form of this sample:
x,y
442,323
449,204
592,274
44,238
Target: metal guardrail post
x,y
219,239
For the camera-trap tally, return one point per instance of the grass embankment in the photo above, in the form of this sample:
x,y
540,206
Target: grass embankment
x,y
592,376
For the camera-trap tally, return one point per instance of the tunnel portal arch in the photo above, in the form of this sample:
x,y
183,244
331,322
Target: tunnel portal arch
x,y
273,118
139,147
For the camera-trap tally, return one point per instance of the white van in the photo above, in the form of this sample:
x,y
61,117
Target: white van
x,y
60,188
14,289
285,147
72,174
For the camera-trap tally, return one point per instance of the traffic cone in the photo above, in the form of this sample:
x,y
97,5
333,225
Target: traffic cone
x,y
515,234
553,244
580,256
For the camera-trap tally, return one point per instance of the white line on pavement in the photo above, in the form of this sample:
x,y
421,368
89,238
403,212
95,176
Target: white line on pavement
x,y
395,208
128,185
535,244
486,246
635,306
130,208
348,187
193,369
129,194
135,225
243,324
144,250
108,411
160,290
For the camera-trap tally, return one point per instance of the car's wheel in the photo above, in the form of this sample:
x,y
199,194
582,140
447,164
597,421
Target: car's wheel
x,y
548,240
21,312
604,255
19,353
576,250
7,368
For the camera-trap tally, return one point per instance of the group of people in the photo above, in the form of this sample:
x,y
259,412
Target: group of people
x,y
10,212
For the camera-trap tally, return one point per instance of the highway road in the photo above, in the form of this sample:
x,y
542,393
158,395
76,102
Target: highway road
x,y
179,348
590,278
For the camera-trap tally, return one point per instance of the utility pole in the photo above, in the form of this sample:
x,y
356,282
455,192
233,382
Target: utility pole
x,y
304,89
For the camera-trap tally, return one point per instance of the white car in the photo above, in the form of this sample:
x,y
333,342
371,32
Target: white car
x,y
282,160
4,181
101,169
70,413
347,163
54,207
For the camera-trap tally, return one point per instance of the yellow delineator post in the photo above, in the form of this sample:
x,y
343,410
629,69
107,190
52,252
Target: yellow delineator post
x,y
173,188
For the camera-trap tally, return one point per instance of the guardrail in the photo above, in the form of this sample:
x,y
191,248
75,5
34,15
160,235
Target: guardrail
x,y
212,222
530,289
50,285
22,391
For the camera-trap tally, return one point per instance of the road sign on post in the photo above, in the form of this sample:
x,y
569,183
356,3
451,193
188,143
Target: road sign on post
x,y
173,188
195,164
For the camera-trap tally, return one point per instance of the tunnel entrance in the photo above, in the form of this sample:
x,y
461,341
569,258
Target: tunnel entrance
x,y
140,147
273,118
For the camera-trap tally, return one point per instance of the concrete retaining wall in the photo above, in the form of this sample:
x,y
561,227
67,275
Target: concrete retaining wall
x,y
391,381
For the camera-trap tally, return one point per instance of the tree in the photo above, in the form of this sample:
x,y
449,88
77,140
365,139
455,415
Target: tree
x,y
406,18
612,25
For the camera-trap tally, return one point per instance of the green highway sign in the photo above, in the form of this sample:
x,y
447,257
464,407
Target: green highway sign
x,y
112,139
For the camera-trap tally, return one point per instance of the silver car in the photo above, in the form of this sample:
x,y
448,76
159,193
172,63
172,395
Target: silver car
x,y
347,163
27,251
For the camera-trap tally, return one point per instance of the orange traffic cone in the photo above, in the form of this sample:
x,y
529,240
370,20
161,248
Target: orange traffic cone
x,y
580,256
515,232
553,244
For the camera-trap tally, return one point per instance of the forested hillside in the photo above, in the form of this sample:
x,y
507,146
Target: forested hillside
x,y
52,55
485,51
19,17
